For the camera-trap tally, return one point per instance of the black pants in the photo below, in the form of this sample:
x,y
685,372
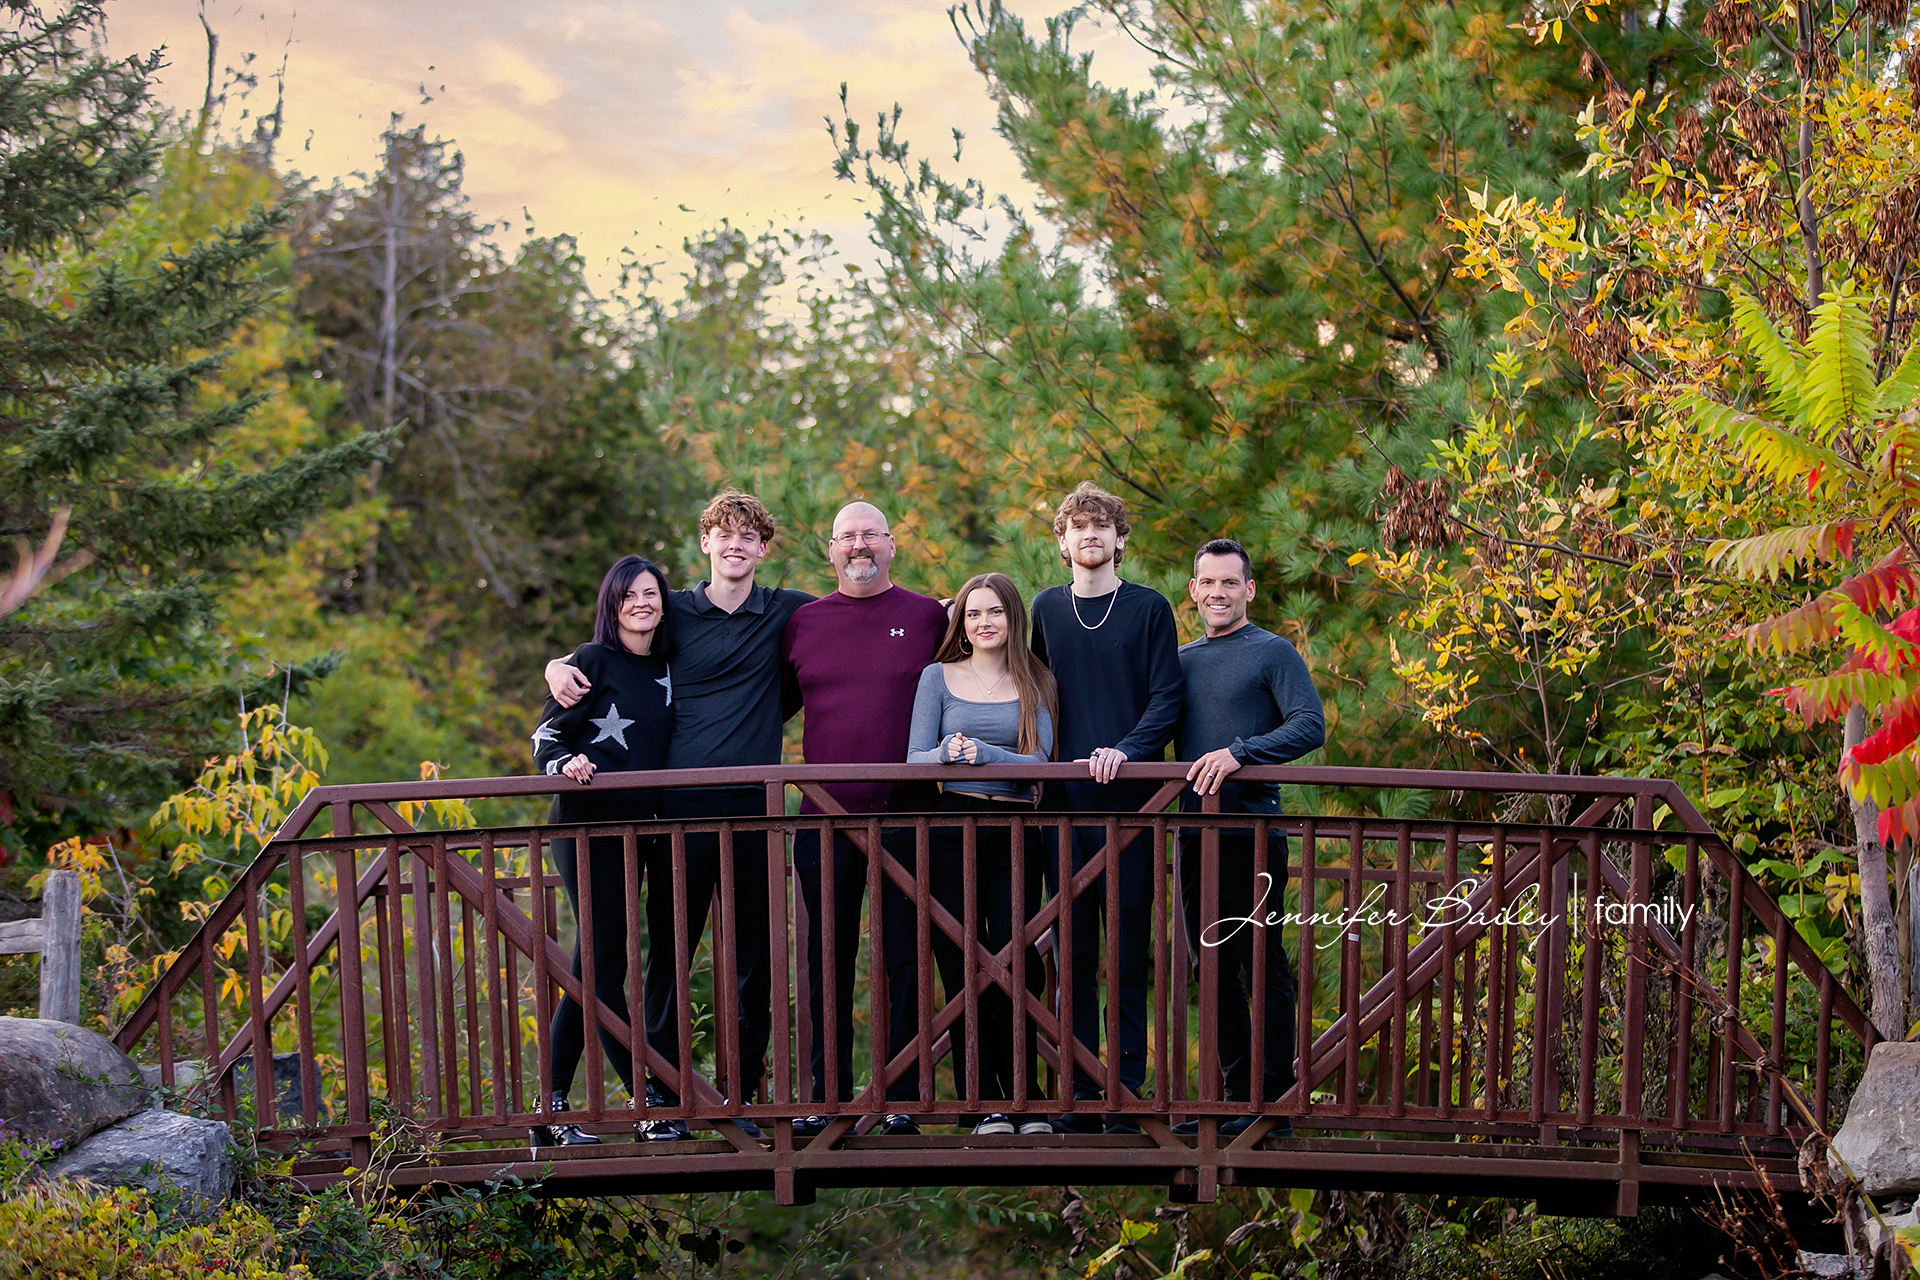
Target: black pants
x,y
898,951
1132,933
1229,933
606,869
996,917
751,967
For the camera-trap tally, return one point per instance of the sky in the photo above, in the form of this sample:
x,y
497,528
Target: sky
x,y
627,123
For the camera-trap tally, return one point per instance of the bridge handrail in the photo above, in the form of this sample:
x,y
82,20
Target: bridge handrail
x,y
1475,782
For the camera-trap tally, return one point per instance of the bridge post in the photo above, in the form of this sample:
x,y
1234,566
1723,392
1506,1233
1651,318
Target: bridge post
x,y
1626,1197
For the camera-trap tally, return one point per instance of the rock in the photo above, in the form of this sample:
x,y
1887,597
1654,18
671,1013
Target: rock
x,y
61,1083
194,1156
1827,1266
1880,1141
186,1074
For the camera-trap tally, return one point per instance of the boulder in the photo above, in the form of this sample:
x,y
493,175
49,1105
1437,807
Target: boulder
x,y
61,1083
1829,1266
1880,1142
192,1155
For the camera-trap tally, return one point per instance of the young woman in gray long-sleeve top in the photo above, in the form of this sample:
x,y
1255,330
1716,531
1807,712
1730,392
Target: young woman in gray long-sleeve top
x,y
985,700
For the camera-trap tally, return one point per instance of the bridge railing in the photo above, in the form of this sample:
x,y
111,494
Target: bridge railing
x,y
1577,978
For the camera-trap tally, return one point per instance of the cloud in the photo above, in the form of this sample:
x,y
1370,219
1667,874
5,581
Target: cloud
x,y
603,118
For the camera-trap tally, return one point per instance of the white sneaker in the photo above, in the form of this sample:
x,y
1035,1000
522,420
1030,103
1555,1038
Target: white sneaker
x,y
1036,1124
995,1123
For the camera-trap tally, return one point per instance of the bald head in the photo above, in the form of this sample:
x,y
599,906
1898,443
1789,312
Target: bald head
x,y
861,550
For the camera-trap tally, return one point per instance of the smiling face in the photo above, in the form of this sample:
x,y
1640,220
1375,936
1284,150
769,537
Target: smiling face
x,y
734,551
985,618
1221,588
860,548
640,612
1090,540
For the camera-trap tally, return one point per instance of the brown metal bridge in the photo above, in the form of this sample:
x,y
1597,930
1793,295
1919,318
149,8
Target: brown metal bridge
x,y
1499,1037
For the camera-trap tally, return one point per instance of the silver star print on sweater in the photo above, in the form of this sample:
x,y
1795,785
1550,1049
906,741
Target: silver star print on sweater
x,y
612,726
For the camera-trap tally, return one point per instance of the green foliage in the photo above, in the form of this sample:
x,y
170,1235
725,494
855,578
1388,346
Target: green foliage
x,y
112,324
522,465
72,1231
1234,302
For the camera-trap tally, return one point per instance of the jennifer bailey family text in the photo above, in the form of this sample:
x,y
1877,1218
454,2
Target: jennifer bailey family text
x,y
1455,907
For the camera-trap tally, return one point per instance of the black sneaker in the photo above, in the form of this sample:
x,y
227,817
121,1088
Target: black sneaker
x,y
1035,1125
1078,1121
1123,1124
996,1123
1234,1126
897,1126
811,1126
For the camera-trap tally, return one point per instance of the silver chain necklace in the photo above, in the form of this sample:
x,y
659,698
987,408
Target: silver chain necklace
x,y
1075,601
989,692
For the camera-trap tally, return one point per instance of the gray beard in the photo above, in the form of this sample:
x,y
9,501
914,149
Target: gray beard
x,y
862,571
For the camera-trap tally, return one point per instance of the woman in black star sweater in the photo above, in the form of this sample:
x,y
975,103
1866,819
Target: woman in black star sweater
x,y
621,725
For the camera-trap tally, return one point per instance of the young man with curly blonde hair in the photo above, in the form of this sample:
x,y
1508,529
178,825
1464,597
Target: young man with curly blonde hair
x,y
726,700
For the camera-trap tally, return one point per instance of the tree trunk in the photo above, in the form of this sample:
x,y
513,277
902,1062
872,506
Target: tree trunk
x,y
1879,938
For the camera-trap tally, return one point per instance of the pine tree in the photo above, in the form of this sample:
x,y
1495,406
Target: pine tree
x,y
110,332
1234,302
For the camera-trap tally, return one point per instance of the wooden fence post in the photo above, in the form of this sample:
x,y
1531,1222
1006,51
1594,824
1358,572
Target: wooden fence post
x,y
56,936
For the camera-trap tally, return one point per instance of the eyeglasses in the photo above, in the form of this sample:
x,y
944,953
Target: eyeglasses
x,y
854,539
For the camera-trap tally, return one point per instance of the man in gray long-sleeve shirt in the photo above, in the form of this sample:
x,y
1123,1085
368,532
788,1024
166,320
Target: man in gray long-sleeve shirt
x,y
1249,700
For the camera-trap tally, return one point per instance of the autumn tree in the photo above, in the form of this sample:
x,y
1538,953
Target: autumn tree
x,y
523,464
1743,318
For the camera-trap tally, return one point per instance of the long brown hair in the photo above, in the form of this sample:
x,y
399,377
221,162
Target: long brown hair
x,y
1031,680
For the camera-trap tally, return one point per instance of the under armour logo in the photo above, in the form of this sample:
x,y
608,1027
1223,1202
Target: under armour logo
x,y
897,631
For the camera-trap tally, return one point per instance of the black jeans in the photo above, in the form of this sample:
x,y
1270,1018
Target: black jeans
x,y
1230,932
1132,933
996,918
751,965
607,879
898,950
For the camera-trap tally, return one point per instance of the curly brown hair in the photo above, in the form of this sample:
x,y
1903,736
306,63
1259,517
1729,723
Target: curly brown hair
x,y
1089,499
733,507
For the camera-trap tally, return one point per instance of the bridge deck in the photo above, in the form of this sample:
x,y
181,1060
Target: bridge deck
x,y
1468,1020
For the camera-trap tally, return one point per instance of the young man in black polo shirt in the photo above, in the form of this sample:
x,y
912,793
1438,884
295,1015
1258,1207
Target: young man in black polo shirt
x,y
1249,700
1113,651
725,666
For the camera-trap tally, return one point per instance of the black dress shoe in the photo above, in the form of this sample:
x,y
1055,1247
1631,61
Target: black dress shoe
x,y
811,1126
660,1130
560,1135
898,1126
748,1127
1123,1124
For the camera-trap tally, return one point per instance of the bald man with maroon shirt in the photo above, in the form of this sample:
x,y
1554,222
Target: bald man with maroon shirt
x,y
853,659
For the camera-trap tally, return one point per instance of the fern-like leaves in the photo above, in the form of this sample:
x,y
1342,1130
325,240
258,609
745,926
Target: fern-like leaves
x,y
1778,365
1775,452
1839,390
1770,556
